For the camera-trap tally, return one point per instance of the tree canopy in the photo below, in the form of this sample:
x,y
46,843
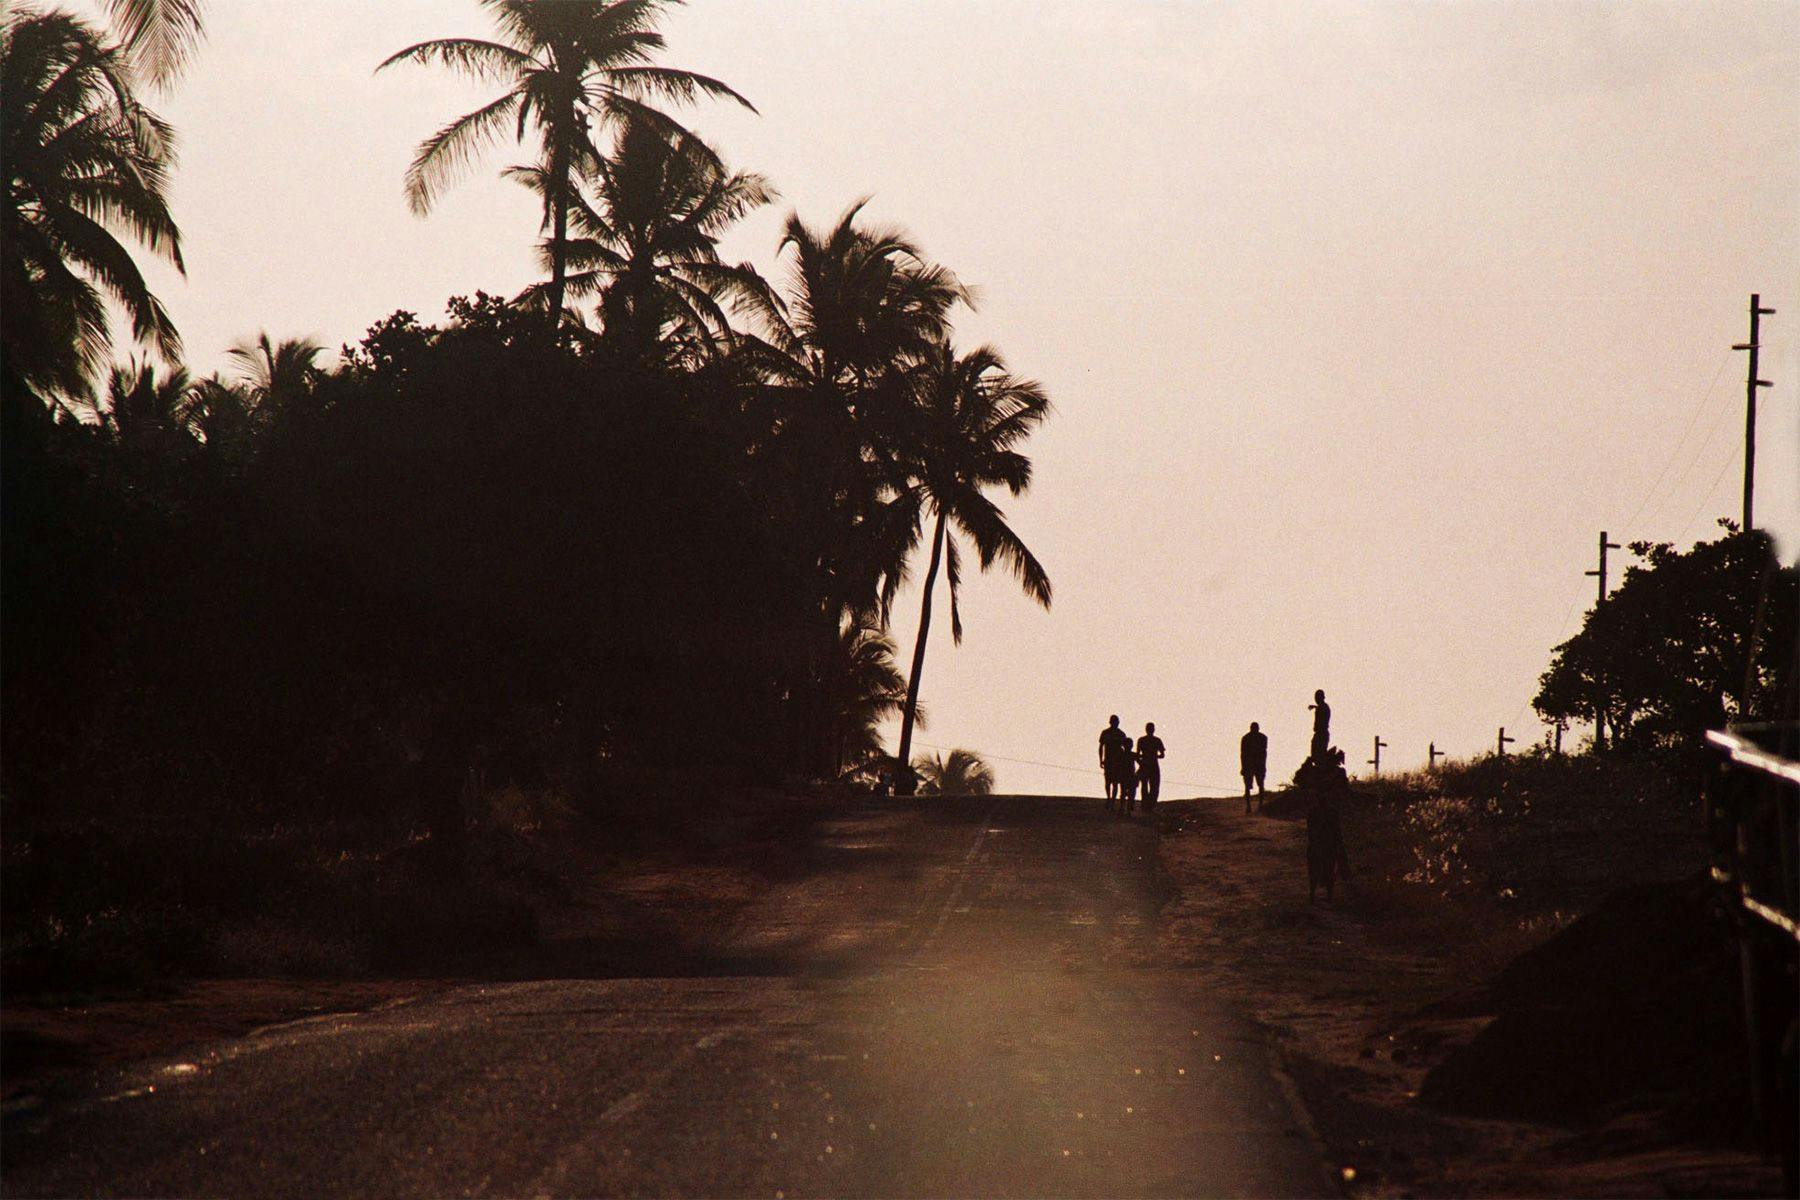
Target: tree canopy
x,y
1689,641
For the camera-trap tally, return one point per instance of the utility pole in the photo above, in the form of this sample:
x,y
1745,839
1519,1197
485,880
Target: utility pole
x,y
1431,757
1376,761
1500,746
1601,573
1751,383
1560,726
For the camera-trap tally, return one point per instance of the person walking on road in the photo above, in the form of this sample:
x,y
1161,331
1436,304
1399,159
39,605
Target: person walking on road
x,y
1253,762
1115,750
1149,754
1321,738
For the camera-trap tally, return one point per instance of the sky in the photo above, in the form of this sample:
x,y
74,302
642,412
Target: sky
x,y
1360,319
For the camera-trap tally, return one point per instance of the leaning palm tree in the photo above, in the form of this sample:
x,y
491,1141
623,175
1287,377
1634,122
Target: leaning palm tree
x,y
647,243
957,773
970,416
85,163
570,67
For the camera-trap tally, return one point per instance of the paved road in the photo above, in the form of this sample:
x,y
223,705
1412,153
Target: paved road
x,y
957,1004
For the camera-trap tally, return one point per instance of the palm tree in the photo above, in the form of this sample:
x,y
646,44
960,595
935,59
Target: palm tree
x,y
958,773
159,36
569,66
865,688
85,163
647,244
149,413
274,374
970,415
861,304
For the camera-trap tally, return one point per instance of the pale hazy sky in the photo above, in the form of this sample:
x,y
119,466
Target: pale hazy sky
x,y
1361,319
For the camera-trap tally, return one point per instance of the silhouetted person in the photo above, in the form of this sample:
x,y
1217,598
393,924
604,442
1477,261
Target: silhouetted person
x,y
1149,754
1321,738
1325,857
1253,761
1115,749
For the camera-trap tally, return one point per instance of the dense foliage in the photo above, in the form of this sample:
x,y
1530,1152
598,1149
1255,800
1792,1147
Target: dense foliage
x,y
1688,641
661,531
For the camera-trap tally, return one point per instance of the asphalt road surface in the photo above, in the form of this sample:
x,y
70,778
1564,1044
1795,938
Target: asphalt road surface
x,y
958,1002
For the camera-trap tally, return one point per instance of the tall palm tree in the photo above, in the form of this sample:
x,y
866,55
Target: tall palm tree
x,y
85,163
647,243
970,416
569,67
957,773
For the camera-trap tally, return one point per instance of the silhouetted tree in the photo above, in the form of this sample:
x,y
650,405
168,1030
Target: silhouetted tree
x,y
85,162
647,243
970,414
570,67
860,304
956,773
1669,653
863,687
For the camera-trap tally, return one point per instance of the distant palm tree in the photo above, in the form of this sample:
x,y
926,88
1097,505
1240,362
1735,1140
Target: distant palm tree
x,y
957,773
274,374
85,162
865,689
147,412
970,415
568,67
647,244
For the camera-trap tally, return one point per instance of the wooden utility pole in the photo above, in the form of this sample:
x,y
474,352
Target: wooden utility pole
x,y
1560,726
1376,761
1600,574
1432,755
1751,383
1500,745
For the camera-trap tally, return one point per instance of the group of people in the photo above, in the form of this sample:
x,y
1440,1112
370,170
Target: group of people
x,y
1131,770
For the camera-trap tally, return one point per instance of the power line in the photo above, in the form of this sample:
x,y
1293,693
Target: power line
x,y
1712,431
1723,467
1693,419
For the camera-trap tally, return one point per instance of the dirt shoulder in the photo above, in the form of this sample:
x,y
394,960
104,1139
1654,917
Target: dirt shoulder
x,y
1419,1013
599,905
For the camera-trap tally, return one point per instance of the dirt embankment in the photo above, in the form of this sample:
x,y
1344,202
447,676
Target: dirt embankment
x,y
1522,991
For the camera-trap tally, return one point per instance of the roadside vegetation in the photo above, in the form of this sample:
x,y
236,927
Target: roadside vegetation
x,y
299,653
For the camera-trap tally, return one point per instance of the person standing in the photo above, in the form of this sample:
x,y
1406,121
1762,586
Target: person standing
x,y
1253,762
1149,754
1321,738
1115,750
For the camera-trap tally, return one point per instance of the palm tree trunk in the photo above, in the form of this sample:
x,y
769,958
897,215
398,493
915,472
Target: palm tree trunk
x,y
559,227
903,777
